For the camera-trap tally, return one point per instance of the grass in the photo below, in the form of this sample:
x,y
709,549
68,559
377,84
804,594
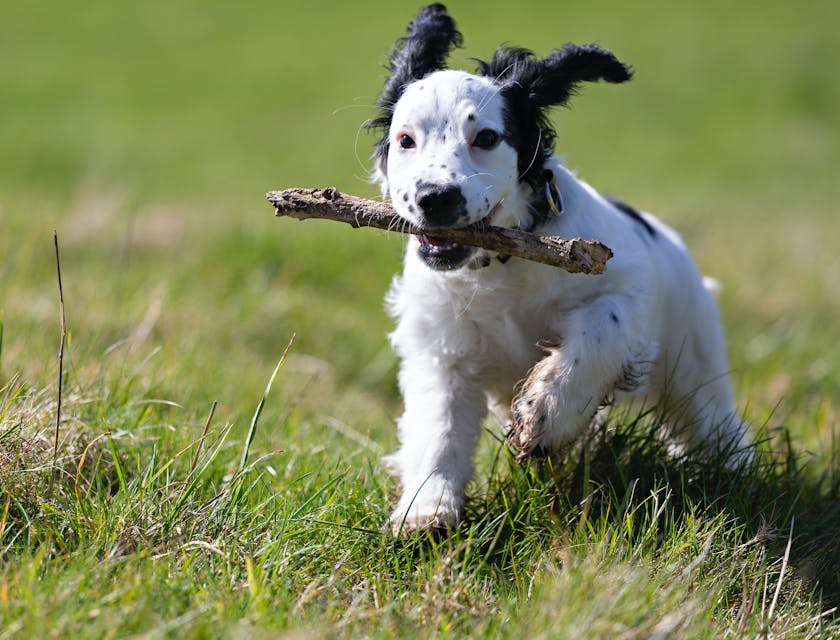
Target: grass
x,y
146,136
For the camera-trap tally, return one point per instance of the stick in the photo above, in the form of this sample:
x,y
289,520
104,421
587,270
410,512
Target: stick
x,y
573,255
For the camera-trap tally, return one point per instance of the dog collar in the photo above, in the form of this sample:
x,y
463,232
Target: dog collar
x,y
552,193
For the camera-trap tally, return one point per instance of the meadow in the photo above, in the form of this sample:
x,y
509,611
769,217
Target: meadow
x,y
185,499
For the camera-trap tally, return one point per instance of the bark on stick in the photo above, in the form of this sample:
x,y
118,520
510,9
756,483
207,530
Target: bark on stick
x,y
574,255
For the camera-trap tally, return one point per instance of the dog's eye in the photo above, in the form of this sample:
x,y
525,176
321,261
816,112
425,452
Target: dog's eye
x,y
486,139
406,141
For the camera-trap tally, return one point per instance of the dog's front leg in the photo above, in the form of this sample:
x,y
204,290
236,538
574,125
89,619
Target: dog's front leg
x,y
598,348
438,433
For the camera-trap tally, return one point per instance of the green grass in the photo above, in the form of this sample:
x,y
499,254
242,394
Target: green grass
x,y
146,136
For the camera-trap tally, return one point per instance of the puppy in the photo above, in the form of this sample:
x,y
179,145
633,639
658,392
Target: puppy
x,y
460,148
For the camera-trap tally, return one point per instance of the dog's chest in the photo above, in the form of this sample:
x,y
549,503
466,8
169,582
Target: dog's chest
x,y
508,331
487,323
498,324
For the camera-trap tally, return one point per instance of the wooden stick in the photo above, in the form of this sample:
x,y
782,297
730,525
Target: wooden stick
x,y
574,255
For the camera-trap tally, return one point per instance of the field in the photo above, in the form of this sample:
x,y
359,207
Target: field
x,y
188,500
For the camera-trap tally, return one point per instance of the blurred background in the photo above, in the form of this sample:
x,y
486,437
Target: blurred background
x,y
146,135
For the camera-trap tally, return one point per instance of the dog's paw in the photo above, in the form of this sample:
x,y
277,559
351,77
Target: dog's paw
x,y
534,407
414,523
435,515
530,423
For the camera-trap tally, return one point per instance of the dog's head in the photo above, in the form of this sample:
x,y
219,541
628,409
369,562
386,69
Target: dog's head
x,y
458,148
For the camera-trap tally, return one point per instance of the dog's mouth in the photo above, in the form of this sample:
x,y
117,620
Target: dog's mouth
x,y
443,255
446,255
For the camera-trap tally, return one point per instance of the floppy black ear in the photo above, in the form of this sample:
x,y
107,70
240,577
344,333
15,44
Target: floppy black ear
x,y
428,41
560,74
531,85
555,79
429,38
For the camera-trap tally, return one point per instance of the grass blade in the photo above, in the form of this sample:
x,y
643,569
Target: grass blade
x,y
252,430
60,361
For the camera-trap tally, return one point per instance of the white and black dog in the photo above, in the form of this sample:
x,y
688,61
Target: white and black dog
x,y
459,148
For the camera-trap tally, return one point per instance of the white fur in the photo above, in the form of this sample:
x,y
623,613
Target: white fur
x,y
467,337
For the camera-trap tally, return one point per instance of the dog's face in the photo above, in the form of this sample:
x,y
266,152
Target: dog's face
x,y
450,162
460,148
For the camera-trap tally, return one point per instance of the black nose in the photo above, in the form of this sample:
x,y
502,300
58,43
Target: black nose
x,y
441,205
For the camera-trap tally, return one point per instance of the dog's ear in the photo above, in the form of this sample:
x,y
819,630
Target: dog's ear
x,y
560,74
531,86
555,79
429,39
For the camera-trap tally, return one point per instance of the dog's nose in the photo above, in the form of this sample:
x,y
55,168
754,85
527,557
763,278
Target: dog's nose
x,y
441,205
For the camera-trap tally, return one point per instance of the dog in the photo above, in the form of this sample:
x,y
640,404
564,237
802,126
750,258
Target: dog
x,y
539,348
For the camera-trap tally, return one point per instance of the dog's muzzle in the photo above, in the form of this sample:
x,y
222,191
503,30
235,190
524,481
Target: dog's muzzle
x,y
441,205
443,255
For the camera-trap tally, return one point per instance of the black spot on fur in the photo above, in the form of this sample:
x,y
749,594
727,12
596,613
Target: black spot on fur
x,y
405,197
630,211
613,317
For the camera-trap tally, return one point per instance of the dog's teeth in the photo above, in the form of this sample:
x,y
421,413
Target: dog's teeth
x,y
437,244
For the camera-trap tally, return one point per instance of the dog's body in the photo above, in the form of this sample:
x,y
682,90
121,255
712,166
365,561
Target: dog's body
x,y
460,148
